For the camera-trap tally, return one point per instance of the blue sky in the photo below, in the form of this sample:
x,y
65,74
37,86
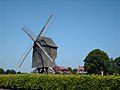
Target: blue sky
x,y
80,26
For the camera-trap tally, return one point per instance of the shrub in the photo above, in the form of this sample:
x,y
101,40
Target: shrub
x,y
60,82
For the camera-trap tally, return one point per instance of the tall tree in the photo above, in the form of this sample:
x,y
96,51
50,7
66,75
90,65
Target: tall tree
x,y
96,61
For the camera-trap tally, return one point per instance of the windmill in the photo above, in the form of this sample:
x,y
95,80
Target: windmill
x,y
44,51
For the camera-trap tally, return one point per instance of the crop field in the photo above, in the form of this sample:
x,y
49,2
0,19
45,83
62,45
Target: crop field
x,y
59,82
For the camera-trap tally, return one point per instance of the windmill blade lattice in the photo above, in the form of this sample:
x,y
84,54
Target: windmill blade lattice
x,y
44,27
25,55
29,33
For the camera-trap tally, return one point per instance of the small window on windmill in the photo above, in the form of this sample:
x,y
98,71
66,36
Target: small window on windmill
x,y
43,42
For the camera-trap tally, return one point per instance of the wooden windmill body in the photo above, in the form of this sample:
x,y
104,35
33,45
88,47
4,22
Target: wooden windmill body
x,y
39,57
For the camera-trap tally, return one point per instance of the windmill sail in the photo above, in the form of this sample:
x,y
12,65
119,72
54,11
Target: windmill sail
x,y
29,33
25,55
44,27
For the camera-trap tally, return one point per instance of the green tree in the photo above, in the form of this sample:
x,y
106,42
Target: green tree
x,y
1,71
96,61
10,71
18,72
117,64
74,71
114,66
70,69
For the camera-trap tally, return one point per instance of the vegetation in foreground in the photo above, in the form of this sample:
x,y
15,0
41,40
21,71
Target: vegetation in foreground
x,y
59,82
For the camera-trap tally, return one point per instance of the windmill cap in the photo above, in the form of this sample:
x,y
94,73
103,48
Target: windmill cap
x,y
49,42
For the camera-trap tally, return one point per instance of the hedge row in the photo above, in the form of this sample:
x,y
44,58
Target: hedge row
x,y
60,82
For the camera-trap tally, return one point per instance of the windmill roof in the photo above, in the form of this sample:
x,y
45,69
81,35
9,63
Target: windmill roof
x,y
48,40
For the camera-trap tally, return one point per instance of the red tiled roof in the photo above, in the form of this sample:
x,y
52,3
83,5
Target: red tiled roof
x,y
81,67
62,68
